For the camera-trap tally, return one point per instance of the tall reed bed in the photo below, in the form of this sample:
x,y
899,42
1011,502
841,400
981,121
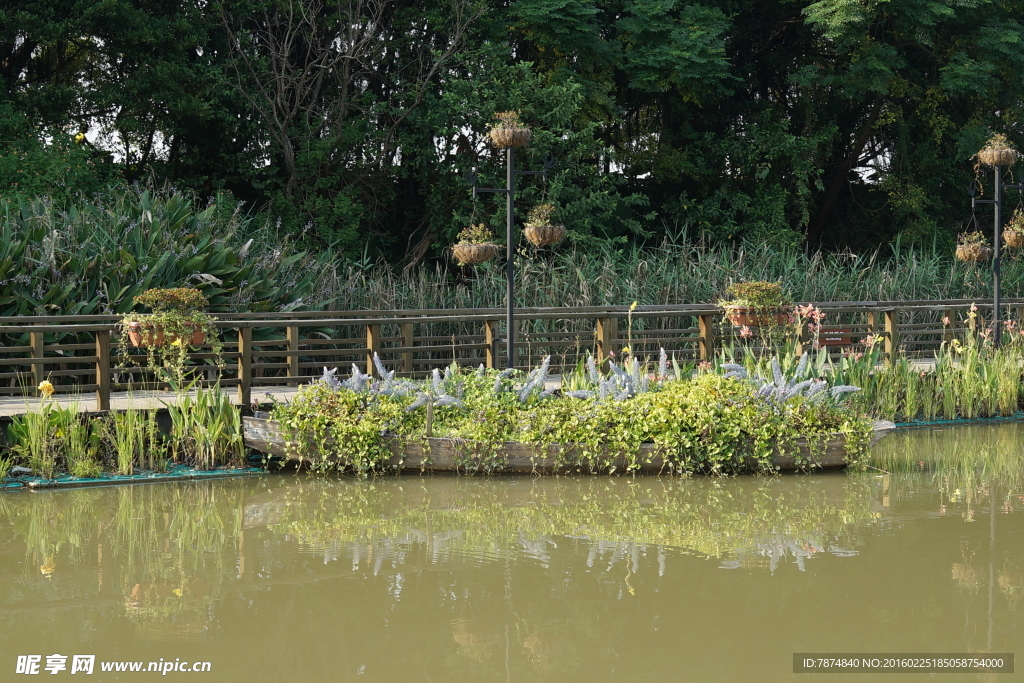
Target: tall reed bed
x,y
665,274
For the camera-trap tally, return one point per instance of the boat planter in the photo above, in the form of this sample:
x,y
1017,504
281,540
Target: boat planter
x,y
148,334
997,157
471,254
743,316
543,235
973,252
455,455
1013,238
503,138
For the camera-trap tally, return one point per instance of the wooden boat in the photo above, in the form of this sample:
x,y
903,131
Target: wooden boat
x,y
455,455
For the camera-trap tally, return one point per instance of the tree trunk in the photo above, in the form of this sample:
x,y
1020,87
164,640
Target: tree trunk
x,y
816,229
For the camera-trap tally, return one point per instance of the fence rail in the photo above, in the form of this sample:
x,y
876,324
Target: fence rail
x,y
81,353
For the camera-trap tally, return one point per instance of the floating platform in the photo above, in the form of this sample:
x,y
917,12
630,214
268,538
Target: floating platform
x,y
177,473
456,455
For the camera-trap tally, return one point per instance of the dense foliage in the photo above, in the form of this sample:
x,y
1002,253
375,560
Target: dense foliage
x,y
360,122
708,423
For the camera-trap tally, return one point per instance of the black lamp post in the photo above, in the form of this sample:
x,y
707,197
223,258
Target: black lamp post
x,y
510,241
997,242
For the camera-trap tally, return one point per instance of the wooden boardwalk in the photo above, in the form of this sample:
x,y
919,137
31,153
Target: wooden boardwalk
x,y
126,400
273,352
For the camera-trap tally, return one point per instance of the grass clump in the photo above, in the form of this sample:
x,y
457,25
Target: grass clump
x,y
54,441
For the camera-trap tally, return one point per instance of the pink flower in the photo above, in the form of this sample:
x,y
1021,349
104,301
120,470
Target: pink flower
x,y
704,365
945,321
745,332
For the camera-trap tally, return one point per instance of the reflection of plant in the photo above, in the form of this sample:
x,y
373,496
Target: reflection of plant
x,y
608,515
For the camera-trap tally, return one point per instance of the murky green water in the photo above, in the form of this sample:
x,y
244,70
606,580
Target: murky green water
x,y
521,579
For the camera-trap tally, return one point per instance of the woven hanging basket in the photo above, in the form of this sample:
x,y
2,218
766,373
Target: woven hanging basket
x,y
543,235
1013,239
503,138
973,252
471,254
997,157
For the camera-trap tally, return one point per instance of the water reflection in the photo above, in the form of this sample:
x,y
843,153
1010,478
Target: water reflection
x,y
441,578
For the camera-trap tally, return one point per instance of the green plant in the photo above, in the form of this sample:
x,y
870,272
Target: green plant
x,y
540,215
167,332
975,237
1016,222
997,141
709,423
476,234
507,119
206,429
757,295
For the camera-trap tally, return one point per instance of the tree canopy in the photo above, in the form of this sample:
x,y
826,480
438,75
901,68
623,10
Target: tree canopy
x,y
360,124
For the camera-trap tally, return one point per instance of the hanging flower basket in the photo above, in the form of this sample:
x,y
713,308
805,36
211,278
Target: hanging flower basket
x,y
973,252
997,152
472,254
1013,239
543,235
509,131
146,334
503,138
743,316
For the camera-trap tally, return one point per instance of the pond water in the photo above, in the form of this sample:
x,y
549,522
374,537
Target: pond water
x,y
440,578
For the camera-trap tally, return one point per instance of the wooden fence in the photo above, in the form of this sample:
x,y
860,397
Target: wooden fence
x,y
80,353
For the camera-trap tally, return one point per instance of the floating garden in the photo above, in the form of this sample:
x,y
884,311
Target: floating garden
x,y
692,419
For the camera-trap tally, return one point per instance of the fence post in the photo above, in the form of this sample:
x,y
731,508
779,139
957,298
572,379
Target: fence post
x,y
38,370
245,366
706,327
372,347
407,341
606,333
103,370
891,332
872,323
292,333
491,339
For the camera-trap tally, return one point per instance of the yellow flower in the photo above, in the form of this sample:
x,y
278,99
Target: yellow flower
x,y
80,138
45,388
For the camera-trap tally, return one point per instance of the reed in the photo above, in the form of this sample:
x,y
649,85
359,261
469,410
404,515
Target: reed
x,y
668,273
206,429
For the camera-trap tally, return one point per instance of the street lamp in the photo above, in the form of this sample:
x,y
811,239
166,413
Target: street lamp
x,y
510,240
996,240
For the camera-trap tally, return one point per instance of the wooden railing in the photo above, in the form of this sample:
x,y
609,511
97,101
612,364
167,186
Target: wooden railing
x,y
80,354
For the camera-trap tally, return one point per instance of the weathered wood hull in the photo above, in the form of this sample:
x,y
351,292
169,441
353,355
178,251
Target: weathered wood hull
x,y
451,455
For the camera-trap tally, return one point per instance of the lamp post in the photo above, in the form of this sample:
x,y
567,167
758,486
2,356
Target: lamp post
x,y
510,241
997,242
